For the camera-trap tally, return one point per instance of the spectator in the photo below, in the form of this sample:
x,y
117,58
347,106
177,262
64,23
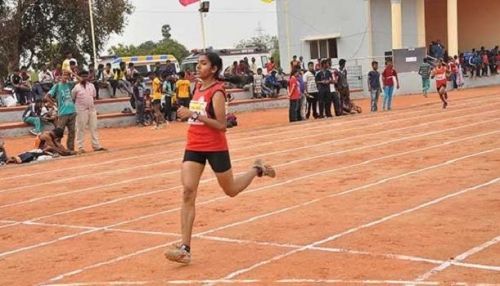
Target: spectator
x,y
157,68
323,80
168,90
66,62
342,86
270,66
257,83
389,76
61,92
3,154
189,74
57,72
334,95
156,96
302,102
311,91
109,80
169,69
130,72
302,64
374,86
92,79
497,59
139,100
453,70
294,64
74,70
272,82
21,88
317,66
485,62
84,95
294,96
49,141
253,66
49,112
183,90
120,81
425,72
46,78
32,116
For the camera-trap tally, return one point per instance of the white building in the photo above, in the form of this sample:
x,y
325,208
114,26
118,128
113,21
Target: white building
x,y
362,30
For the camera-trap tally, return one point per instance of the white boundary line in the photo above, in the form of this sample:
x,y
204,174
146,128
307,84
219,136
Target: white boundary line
x,y
459,258
314,126
265,282
285,164
258,281
382,181
363,226
32,200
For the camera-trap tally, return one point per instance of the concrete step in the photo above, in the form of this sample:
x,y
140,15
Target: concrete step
x,y
14,129
103,106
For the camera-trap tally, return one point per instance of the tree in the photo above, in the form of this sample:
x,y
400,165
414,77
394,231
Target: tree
x,y
35,30
267,42
165,46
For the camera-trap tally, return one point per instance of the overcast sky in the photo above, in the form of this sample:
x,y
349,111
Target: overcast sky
x,y
226,24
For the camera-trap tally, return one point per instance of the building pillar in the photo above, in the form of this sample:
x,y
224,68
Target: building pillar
x,y
369,25
421,23
452,28
397,37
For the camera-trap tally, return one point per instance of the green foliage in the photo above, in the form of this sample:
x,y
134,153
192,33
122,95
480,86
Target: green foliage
x,y
267,42
42,30
165,46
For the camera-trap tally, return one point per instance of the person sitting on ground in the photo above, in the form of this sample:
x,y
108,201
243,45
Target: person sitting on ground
x,y
50,141
32,116
49,112
3,154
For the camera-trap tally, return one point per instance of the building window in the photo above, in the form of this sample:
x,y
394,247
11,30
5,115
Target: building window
x,y
323,49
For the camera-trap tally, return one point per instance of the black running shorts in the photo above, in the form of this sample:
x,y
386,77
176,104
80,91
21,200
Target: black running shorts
x,y
219,160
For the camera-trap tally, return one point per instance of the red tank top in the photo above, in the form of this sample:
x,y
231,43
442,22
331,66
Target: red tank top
x,y
201,137
441,74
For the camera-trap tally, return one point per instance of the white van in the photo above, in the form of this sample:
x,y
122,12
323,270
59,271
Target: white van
x,y
143,64
228,57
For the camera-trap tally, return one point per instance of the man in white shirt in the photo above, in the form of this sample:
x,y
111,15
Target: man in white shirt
x,y
84,94
253,66
311,91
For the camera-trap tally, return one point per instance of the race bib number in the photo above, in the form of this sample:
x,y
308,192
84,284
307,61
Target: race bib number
x,y
199,106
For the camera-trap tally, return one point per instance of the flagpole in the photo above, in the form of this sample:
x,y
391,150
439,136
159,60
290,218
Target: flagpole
x,y
203,39
92,33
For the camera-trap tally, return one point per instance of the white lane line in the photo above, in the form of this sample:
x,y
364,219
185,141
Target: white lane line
x,y
139,166
264,282
246,158
363,226
382,181
113,201
458,258
274,244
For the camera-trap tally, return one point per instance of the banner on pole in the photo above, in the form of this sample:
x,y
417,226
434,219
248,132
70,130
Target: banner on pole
x,y
187,2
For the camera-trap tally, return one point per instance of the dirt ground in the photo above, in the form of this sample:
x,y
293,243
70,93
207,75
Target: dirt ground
x,y
409,196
